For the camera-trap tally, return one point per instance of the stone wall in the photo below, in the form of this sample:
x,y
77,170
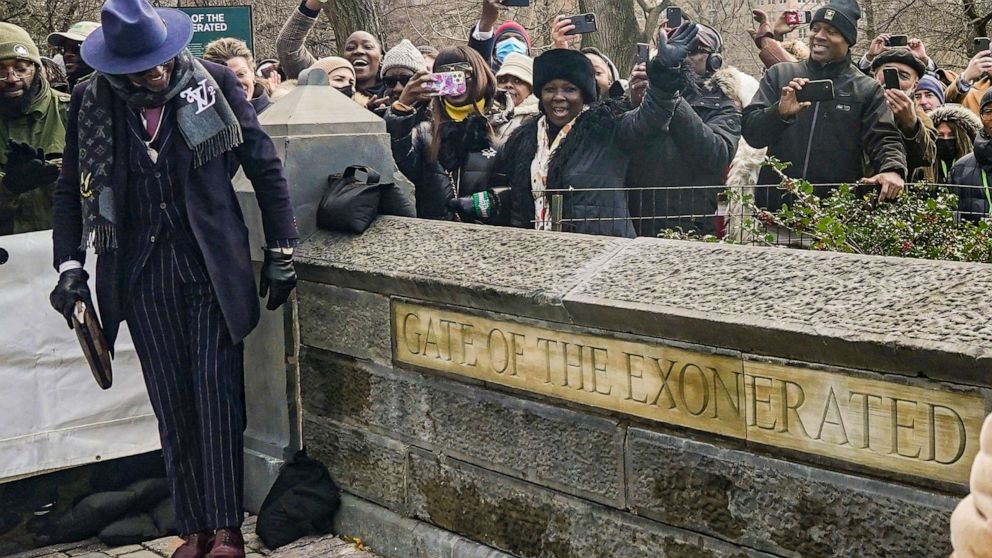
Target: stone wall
x,y
829,404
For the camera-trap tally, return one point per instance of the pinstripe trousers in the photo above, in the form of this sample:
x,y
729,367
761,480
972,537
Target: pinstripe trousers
x,y
195,380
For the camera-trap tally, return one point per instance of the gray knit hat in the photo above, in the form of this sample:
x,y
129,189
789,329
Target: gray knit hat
x,y
403,55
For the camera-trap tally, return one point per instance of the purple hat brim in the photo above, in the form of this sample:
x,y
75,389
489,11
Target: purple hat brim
x,y
98,55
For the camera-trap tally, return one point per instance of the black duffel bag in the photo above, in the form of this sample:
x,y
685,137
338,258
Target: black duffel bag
x,y
302,501
350,204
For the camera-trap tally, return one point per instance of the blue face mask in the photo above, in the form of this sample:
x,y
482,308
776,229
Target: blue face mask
x,y
506,46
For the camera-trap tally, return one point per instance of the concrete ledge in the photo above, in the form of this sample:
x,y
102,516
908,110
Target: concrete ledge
x,y
911,317
393,536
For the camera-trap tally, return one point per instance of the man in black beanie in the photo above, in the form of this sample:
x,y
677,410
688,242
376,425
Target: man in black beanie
x,y
841,140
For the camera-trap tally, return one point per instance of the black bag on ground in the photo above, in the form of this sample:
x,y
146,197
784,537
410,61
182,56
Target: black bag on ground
x,y
350,204
302,501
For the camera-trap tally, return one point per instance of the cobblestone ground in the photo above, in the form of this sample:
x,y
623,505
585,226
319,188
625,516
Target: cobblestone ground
x,y
310,547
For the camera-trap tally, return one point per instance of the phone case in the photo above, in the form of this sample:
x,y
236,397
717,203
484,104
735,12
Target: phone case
x,y
449,84
814,91
584,23
891,77
643,53
981,43
674,17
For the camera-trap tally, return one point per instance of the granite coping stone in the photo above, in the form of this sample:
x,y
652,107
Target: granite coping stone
x,y
904,316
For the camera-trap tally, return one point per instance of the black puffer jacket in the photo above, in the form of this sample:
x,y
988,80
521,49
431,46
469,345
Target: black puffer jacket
x,y
592,159
829,142
974,195
702,140
464,165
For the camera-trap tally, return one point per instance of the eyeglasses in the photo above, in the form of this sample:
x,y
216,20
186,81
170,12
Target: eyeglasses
x,y
391,81
19,71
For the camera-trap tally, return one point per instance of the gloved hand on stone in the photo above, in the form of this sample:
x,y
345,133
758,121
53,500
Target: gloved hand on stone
x,y
278,276
27,169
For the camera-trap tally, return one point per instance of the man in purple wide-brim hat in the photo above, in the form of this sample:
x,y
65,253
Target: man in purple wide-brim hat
x,y
145,182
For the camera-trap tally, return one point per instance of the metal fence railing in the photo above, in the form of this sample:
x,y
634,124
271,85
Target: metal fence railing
x,y
731,213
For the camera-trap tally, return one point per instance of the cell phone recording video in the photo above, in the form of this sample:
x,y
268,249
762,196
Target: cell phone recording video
x,y
643,53
982,43
798,17
815,91
447,84
674,17
584,23
897,41
891,78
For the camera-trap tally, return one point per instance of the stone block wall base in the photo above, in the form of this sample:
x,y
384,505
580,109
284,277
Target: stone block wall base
x,y
260,473
393,536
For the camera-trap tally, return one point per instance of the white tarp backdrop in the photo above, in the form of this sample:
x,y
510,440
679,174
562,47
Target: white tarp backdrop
x,y
54,414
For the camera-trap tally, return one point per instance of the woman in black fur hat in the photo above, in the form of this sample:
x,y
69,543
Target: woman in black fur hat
x,y
579,146
445,145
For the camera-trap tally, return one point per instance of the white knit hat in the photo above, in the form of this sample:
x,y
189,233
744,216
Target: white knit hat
x,y
519,66
403,55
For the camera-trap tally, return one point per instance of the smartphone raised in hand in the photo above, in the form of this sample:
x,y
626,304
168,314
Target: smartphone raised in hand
x,y
447,84
584,23
897,41
891,78
815,91
798,17
982,43
515,3
643,53
674,17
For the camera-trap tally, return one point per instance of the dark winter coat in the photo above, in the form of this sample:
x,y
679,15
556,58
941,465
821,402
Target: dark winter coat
x,y
213,211
468,158
829,142
702,141
973,199
592,159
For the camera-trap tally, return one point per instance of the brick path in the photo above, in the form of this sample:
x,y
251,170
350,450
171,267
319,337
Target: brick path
x,y
310,547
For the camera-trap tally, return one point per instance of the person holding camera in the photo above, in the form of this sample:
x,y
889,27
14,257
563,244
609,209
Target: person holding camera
x,y
972,83
703,136
826,142
494,43
899,72
886,42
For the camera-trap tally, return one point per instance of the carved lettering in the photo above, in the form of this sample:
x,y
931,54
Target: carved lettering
x,y
468,340
599,355
499,359
547,356
628,360
414,347
703,391
828,407
733,400
755,400
961,432
664,376
791,410
866,415
897,424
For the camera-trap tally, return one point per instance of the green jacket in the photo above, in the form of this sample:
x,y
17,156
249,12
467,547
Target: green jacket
x,y
43,125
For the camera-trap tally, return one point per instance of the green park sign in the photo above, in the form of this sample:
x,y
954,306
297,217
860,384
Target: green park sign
x,y
214,23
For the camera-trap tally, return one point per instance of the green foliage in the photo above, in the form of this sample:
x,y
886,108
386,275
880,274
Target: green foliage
x,y
922,223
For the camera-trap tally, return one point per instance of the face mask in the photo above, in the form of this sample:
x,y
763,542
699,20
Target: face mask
x,y
946,149
506,46
347,91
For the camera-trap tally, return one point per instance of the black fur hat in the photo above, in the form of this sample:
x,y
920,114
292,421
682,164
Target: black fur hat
x,y
569,65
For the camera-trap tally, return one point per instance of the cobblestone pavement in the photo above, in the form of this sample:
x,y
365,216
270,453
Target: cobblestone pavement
x,y
309,547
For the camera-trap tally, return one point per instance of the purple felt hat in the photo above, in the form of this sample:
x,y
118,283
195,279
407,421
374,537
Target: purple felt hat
x,y
135,37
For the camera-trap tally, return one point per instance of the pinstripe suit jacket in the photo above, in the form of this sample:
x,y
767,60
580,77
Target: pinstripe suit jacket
x,y
212,208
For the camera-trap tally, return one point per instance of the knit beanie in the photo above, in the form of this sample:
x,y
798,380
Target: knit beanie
x,y
16,43
930,83
842,14
986,99
569,65
403,55
518,65
331,63
512,26
899,56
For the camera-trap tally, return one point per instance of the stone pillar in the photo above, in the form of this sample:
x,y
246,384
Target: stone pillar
x,y
317,132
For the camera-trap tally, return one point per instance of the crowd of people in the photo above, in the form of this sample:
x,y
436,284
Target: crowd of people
x,y
123,142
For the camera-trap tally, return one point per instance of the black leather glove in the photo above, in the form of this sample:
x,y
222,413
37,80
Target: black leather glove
x,y
71,288
279,276
665,69
26,168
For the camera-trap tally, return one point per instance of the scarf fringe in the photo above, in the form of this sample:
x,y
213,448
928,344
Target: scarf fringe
x,y
102,238
218,144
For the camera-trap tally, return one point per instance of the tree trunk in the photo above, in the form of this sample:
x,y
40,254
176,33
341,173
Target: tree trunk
x,y
348,16
617,33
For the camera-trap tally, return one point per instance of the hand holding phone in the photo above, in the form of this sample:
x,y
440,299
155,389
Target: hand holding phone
x,y
897,41
816,91
798,17
890,77
982,43
447,84
674,17
643,53
584,23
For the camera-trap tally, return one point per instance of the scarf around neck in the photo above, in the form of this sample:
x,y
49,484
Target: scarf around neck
x,y
205,119
539,169
461,113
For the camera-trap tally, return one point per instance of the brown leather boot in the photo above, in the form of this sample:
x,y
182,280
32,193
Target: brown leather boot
x,y
196,546
228,543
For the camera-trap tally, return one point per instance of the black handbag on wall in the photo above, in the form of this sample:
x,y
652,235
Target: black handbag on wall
x,y
350,204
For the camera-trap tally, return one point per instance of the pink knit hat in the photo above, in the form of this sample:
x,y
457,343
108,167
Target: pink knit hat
x,y
515,27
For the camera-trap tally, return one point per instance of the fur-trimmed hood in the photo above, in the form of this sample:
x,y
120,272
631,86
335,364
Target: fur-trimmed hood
x,y
958,116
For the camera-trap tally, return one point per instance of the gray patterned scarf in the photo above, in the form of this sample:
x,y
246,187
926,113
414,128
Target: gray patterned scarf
x,y
205,119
